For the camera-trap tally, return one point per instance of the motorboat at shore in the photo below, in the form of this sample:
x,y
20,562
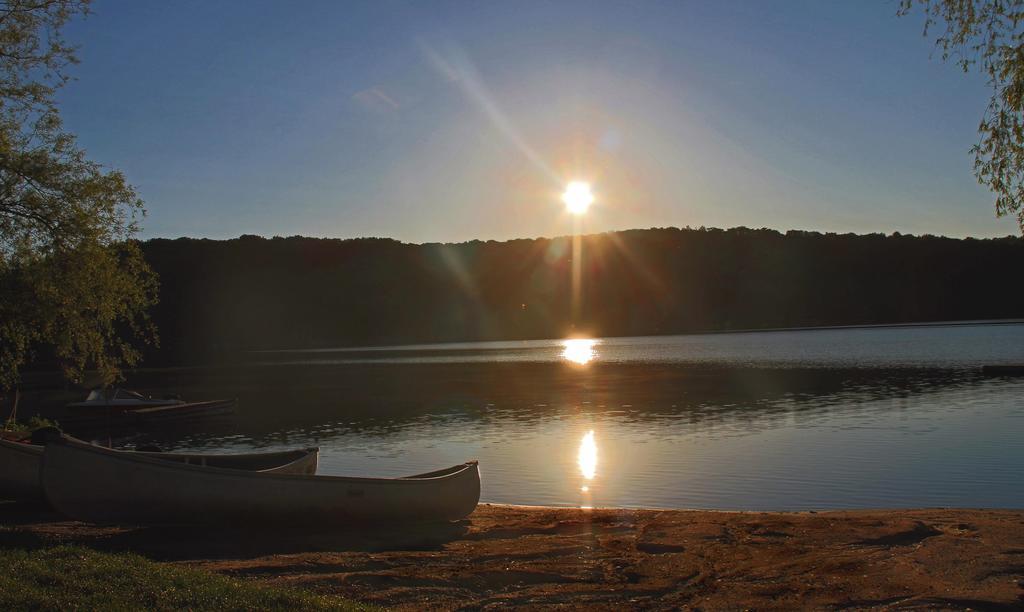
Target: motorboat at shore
x,y
91,483
122,407
123,399
20,464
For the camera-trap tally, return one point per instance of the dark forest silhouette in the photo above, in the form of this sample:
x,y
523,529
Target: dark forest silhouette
x,y
222,297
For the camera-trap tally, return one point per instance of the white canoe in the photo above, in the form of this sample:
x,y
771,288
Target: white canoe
x,y
20,465
19,470
90,483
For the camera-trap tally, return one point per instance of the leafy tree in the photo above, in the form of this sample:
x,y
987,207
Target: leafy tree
x,y
988,35
73,283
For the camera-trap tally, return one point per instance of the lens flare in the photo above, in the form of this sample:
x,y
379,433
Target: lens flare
x,y
578,197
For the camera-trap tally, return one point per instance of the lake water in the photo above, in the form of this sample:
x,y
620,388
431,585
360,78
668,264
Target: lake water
x,y
787,420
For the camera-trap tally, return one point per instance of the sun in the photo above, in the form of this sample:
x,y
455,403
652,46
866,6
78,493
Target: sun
x,y
577,197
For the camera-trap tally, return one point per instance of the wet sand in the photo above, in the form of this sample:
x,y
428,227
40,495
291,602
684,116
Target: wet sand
x,y
607,559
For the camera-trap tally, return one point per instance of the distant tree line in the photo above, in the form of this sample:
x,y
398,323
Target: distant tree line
x,y
225,297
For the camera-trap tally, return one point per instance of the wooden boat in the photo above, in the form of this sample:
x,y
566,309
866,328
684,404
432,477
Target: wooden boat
x,y
20,464
89,483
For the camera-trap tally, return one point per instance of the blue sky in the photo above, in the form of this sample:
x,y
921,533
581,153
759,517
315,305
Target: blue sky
x,y
450,121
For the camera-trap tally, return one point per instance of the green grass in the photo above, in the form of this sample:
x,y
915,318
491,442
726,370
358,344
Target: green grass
x,y
75,578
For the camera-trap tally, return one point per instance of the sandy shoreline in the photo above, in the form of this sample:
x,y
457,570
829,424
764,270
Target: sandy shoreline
x,y
607,558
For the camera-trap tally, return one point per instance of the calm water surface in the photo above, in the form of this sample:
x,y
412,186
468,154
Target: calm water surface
x,y
842,418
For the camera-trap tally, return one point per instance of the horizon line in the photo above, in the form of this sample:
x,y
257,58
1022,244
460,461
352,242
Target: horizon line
x,y
702,228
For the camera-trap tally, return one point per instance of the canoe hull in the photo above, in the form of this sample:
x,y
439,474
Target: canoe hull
x,y
92,484
20,465
19,471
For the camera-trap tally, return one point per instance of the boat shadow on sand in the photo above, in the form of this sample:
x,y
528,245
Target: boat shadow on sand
x,y
33,525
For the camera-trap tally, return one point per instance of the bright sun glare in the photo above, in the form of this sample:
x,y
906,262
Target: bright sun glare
x,y
587,457
578,350
577,197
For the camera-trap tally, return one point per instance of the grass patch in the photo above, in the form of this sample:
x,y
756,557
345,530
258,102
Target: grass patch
x,y
75,578
27,427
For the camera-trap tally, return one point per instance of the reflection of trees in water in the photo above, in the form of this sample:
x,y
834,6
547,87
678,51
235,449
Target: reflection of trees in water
x,y
296,404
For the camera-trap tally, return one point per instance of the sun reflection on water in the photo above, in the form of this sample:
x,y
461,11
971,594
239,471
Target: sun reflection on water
x,y
579,350
587,457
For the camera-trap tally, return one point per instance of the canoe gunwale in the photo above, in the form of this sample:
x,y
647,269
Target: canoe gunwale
x,y
448,471
21,447
302,459
296,455
21,464
175,466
